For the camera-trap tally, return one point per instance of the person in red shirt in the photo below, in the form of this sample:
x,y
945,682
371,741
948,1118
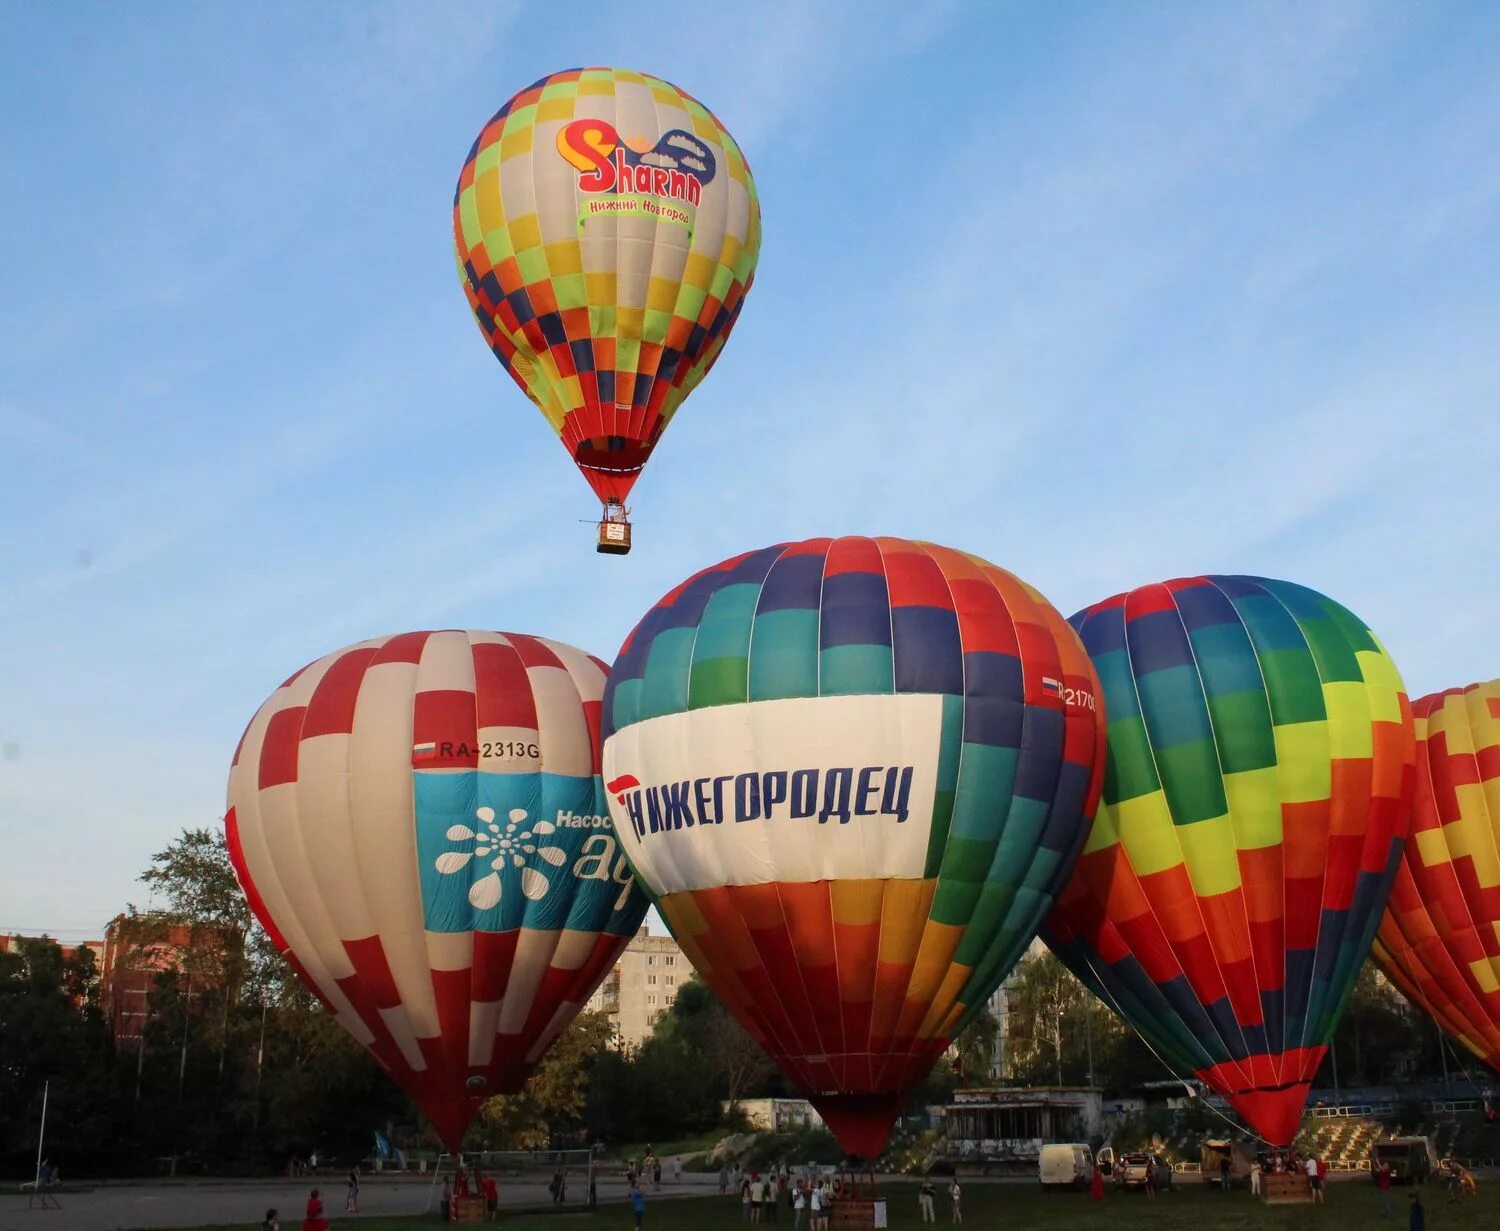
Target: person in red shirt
x,y
314,1220
1383,1184
491,1192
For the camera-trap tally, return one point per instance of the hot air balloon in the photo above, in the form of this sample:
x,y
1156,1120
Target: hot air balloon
x,y
418,823
1257,795
607,229
852,774
1440,938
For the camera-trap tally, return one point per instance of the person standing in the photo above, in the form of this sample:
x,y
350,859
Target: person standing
x,y
677,1169
313,1219
745,1200
351,1192
638,1206
925,1197
1255,1174
1322,1179
1151,1176
1418,1219
1224,1172
1314,1185
1096,1185
723,1178
815,1208
955,1194
757,1196
1383,1185
799,1207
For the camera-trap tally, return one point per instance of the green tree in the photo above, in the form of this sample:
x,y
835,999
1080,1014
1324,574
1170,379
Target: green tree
x,y
700,1021
551,1106
975,1046
52,1036
1380,1037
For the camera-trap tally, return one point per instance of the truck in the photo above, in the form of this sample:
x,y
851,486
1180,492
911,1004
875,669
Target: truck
x,y
1212,1155
1412,1159
1069,1165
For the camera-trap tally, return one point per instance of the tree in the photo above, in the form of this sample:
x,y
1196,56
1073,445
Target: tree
x,y
975,1045
738,1063
51,1031
195,876
734,1056
1380,1038
551,1105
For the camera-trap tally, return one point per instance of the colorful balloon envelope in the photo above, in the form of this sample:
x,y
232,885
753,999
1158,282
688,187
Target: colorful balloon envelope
x,y
418,823
1440,938
607,230
852,773
1257,795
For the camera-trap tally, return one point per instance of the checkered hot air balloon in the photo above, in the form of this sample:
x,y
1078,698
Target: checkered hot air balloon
x,y
1440,938
1258,792
418,823
853,773
607,229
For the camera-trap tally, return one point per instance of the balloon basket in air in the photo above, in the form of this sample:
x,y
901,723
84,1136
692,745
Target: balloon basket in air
x,y
614,538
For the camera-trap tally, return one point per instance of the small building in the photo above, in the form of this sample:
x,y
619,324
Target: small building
x,y
1004,1129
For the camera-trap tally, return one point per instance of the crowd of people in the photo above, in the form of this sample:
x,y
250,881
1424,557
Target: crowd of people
x,y
807,1199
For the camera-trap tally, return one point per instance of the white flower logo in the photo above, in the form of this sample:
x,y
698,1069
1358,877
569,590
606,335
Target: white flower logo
x,y
511,846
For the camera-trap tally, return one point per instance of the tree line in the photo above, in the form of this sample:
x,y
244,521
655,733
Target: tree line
x,y
238,1067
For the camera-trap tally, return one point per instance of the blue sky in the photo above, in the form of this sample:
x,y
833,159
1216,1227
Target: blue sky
x,y
1105,293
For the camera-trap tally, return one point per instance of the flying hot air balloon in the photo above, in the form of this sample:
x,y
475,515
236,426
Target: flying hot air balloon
x,y
1440,939
607,230
1258,791
852,774
418,823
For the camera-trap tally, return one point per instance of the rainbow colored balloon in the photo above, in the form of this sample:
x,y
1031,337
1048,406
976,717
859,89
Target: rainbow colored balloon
x,y
852,774
1255,804
418,823
1440,939
607,229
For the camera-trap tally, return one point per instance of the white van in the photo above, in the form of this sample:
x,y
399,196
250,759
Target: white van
x,y
1066,1166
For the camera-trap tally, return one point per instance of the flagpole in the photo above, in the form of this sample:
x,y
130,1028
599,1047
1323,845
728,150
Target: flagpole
x,y
41,1135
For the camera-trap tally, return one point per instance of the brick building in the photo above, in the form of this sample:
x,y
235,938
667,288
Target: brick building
x,y
137,948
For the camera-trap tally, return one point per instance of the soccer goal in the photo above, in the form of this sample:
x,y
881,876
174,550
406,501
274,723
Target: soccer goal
x,y
516,1178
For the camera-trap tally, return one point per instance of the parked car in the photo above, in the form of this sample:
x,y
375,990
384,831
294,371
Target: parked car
x,y
1130,1170
1066,1166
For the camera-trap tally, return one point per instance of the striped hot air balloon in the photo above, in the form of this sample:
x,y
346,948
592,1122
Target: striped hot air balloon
x,y
1440,939
1257,795
607,229
852,774
418,823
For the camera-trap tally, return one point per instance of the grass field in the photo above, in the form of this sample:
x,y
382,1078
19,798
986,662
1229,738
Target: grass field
x,y
1021,1207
